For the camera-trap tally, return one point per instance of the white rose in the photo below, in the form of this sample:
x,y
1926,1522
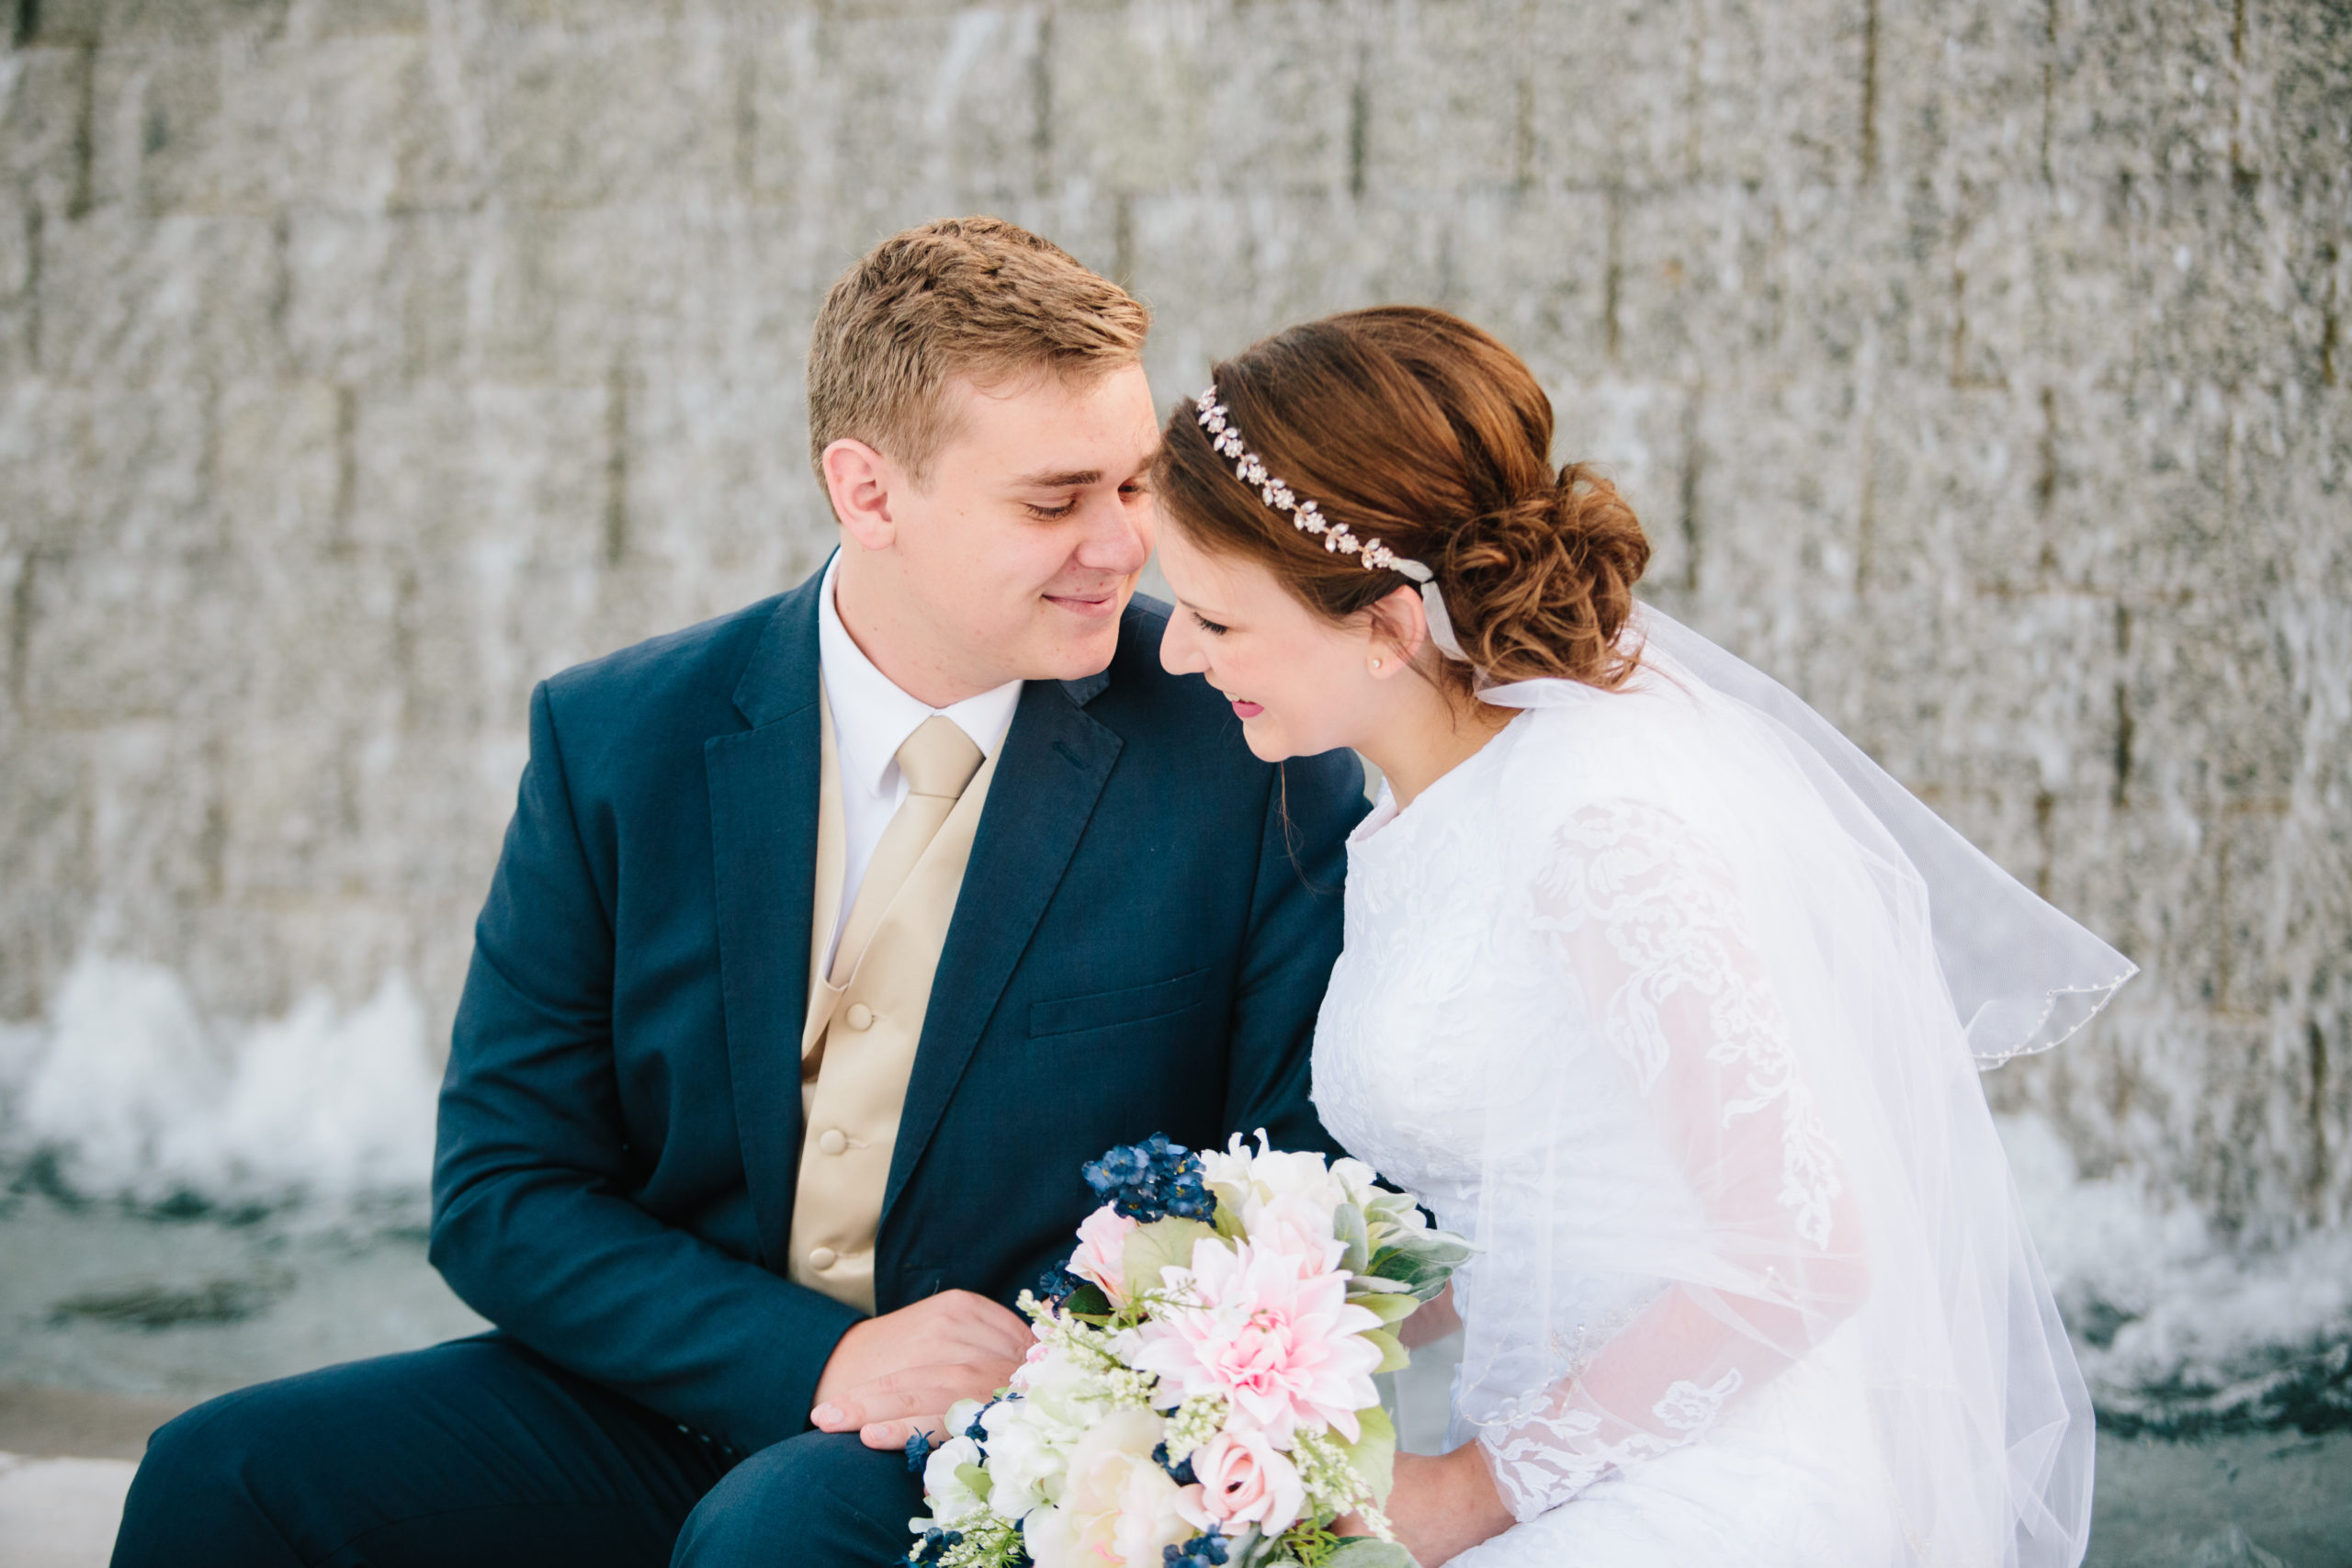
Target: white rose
x,y
1297,1229
1293,1173
1118,1505
1228,1166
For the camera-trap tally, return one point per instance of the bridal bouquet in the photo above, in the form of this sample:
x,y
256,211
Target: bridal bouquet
x,y
1200,1392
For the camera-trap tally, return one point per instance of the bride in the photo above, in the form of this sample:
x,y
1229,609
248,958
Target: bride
x,y
1654,986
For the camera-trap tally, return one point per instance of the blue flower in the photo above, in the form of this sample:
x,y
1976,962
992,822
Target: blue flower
x,y
1055,1284
919,1449
1152,1179
1201,1551
1180,1473
935,1543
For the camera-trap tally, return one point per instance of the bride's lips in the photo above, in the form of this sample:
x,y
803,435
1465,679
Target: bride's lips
x,y
1246,709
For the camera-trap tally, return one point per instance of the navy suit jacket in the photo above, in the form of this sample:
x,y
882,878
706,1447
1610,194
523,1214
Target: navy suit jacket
x,y
1146,927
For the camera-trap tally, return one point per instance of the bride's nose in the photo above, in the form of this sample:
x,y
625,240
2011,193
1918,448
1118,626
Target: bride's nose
x,y
1180,648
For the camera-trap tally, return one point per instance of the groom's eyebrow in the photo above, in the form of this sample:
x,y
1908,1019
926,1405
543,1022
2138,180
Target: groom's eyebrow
x,y
1065,478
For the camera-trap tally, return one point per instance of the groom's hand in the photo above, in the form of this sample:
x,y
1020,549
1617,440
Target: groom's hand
x,y
896,1374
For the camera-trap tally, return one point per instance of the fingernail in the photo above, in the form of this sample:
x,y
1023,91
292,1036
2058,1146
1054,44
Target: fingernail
x,y
826,1414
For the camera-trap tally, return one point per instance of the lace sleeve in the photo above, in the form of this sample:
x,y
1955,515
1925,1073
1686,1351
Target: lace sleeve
x,y
1648,925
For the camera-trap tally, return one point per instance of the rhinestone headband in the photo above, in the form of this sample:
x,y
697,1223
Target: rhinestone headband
x,y
1307,518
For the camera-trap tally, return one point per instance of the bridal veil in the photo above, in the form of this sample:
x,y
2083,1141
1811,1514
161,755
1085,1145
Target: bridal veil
x,y
1800,969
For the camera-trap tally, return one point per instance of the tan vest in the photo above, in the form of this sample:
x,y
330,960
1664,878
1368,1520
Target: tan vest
x,y
857,1043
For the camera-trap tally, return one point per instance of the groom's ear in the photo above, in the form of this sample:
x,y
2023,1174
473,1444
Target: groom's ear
x,y
859,480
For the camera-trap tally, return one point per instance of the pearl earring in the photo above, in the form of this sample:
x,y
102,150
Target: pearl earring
x,y
1375,664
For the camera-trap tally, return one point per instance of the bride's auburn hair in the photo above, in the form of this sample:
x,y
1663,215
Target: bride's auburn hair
x,y
1413,427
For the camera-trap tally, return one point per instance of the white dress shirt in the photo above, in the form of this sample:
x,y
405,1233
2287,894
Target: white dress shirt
x,y
873,716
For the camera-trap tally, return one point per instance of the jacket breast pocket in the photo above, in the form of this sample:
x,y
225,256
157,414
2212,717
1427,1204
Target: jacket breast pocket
x,y
1125,1006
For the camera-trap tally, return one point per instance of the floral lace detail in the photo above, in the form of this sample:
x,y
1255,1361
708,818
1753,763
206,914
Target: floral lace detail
x,y
1668,906
1551,1452
1628,999
1560,1035
1547,1454
1687,1408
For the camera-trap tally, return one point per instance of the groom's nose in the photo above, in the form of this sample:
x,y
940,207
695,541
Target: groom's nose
x,y
1117,539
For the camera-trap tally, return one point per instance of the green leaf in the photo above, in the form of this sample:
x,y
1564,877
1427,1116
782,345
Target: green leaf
x,y
1305,1542
1424,1279
1348,1227
1392,1307
1432,1247
1392,1350
1160,1244
1369,1551
1374,1454
1087,1301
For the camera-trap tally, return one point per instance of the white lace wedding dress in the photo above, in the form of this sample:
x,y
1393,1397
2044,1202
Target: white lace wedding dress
x,y
1647,1002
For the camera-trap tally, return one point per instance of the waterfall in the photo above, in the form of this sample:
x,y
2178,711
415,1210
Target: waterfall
x,y
1981,375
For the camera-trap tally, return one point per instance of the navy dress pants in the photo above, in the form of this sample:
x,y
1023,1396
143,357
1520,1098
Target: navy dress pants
x,y
480,1454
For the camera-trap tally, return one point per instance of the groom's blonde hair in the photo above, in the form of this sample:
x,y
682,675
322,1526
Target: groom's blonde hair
x,y
975,297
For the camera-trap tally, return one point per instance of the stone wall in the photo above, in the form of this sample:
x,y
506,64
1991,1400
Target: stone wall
x,y
1980,368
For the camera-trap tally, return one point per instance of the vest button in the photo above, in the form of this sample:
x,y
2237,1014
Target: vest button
x,y
832,1142
822,1258
859,1015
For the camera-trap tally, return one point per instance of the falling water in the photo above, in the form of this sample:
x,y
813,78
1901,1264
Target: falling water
x,y
1980,375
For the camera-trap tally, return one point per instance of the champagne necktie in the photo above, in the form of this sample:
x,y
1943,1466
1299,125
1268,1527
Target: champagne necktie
x,y
938,761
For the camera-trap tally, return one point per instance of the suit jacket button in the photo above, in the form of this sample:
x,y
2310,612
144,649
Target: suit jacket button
x,y
822,1258
832,1142
859,1015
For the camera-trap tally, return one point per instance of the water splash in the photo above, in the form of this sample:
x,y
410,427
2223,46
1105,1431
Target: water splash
x,y
130,1094
2180,1335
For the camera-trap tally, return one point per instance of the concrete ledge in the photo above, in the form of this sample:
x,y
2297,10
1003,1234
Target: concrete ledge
x,y
74,1423
60,1513
66,1459
67,1456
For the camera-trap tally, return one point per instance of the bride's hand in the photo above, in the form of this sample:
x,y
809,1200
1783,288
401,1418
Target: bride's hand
x,y
1444,1506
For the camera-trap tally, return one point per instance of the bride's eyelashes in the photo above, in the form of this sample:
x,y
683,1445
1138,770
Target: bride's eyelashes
x,y
1208,625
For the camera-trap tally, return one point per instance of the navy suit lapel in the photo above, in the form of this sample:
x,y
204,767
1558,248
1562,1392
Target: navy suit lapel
x,y
1054,764
764,784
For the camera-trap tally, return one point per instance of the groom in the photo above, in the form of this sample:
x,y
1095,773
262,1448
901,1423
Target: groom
x,y
829,939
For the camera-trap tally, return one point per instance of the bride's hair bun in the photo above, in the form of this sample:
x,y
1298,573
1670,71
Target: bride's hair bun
x,y
1544,586
1412,427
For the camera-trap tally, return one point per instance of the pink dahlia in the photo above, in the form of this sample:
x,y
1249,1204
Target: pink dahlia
x,y
1281,1344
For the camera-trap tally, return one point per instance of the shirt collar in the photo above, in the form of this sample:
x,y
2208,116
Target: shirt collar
x,y
873,714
